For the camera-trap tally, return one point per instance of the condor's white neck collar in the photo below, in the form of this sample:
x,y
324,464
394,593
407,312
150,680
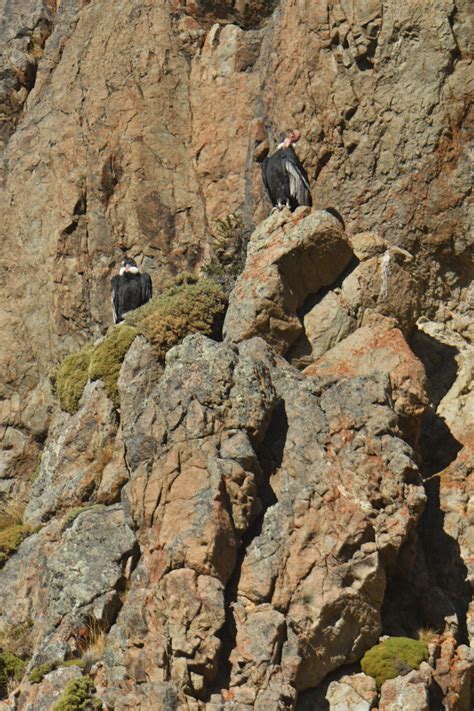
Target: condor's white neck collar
x,y
130,270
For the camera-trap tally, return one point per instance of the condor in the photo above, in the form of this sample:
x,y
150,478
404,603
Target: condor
x,y
284,176
130,289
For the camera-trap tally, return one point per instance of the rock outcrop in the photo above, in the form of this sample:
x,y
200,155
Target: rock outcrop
x,y
257,511
132,126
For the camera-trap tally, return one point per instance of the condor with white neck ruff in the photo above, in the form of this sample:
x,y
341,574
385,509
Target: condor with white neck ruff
x,y
284,176
130,289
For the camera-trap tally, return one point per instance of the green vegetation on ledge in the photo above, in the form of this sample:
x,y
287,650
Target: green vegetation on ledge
x,y
228,251
72,376
12,531
38,673
78,696
11,668
189,305
108,355
394,656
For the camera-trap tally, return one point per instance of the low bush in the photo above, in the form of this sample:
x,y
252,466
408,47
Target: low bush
x,y
394,656
38,673
228,251
17,638
181,310
12,668
78,696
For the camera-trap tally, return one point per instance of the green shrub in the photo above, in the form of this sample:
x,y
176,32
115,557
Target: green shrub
x,y
11,668
17,638
77,662
107,357
72,376
394,656
181,310
37,674
78,696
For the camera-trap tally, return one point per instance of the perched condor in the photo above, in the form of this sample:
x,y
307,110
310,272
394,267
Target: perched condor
x,y
130,289
284,177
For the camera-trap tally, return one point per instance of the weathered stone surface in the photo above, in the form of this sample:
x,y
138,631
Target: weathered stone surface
x,y
23,32
454,673
82,460
382,283
405,693
61,579
322,477
357,692
139,374
88,133
193,493
225,439
289,257
131,128
379,347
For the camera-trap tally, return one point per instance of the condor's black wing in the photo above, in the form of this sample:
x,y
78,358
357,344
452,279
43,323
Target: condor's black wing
x,y
266,179
115,299
147,287
298,178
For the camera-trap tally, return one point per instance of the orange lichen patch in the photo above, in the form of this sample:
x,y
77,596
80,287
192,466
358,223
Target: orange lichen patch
x,y
378,348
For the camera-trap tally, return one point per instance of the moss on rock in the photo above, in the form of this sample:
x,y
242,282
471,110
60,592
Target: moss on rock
x,y
74,512
107,357
72,376
78,696
394,656
10,539
38,673
181,310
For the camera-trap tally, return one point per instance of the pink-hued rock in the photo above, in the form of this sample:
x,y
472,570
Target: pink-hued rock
x,y
315,481
379,347
289,257
405,693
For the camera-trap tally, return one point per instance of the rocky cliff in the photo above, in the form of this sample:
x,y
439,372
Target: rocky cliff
x,y
242,524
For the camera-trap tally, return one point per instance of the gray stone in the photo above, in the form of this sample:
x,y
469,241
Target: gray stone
x,y
78,450
357,692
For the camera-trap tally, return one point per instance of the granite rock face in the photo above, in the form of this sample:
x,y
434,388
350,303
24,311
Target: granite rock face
x,y
230,491
63,578
132,126
83,459
354,693
238,532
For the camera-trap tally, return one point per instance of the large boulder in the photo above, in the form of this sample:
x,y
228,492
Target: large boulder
x,y
290,257
380,347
